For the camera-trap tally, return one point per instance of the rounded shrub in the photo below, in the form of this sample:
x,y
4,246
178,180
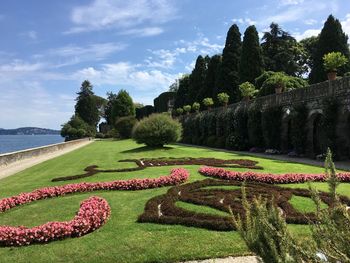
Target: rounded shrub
x,y
157,130
124,126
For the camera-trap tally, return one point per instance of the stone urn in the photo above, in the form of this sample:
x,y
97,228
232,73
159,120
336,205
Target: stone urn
x,y
332,75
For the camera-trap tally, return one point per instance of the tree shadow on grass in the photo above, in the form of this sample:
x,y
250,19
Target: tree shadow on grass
x,y
147,149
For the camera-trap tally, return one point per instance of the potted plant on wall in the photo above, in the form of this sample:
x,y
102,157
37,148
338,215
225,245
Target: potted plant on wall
x,y
196,106
278,80
223,98
187,109
247,90
331,62
208,102
179,111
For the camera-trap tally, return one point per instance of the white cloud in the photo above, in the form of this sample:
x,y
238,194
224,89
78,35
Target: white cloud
x,y
143,32
127,74
33,35
120,14
244,21
307,33
291,2
346,25
310,22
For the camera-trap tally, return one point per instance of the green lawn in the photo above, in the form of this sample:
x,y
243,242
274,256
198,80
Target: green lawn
x,y
122,239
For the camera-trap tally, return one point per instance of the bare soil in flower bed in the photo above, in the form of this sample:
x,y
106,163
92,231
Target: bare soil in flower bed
x,y
122,238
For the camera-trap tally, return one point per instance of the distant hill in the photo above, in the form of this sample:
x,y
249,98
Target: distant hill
x,y
28,131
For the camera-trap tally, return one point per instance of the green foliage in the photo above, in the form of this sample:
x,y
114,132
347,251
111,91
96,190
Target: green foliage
x,y
124,126
144,111
334,60
310,47
76,128
274,80
197,80
228,72
179,111
223,98
252,64
212,76
247,89
182,94
162,101
259,81
196,106
281,51
329,125
119,105
298,128
331,39
265,232
254,127
238,138
187,108
157,130
208,102
271,127
86,106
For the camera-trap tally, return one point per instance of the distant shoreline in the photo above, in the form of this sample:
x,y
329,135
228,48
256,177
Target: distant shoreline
x,y
29,131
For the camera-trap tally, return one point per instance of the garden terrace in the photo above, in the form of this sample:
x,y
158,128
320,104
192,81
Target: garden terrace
x,y
303,121
121,233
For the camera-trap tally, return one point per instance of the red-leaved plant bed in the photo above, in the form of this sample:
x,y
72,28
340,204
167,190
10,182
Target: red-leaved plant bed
x,y
93,213
268,178
23,236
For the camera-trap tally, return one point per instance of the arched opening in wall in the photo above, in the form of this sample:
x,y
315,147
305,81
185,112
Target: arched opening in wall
x,y
319,136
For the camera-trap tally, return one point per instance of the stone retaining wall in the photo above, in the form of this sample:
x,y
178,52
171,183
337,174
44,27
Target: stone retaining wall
x,y
9,158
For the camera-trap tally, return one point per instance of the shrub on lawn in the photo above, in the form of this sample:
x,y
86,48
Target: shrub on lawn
x,y
157,130
124,126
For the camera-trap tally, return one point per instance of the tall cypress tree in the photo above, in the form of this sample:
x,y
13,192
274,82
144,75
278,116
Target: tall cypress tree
x,y
331,39
252,64
182,97
197,79
228,74
212,75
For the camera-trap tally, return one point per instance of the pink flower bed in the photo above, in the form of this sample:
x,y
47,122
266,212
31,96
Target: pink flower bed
x,y
268,178
92,214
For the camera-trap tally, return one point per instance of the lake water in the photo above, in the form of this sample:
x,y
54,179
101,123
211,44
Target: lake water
x,y
12,143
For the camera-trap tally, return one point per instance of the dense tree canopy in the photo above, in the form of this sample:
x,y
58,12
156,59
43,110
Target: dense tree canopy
x,y
252,64
228,73
331,39
197,79
211,77
182,95
122,106
86,107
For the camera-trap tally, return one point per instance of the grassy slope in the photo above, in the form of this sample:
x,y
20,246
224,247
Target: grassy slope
x,y
122,239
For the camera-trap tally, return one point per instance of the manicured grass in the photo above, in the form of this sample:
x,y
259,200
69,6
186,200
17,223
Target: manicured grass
x,y
122,239
304,204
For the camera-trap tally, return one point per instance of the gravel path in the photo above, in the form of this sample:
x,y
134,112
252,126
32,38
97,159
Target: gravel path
x,y
16,167
341,165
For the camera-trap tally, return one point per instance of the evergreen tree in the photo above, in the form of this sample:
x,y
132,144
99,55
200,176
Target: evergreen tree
x,y
252,65
228,73
210,80
309,45
111,97
281,51
182,96
122,106
331,39
197,79
86,107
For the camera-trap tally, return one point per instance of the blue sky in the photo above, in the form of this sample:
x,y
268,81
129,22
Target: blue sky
x,y
48,48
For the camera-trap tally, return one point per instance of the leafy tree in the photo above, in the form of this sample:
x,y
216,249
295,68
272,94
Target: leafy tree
x,y
281,51
124,126
196,106
252,64
334,60
197,80
111,97
86,106
310,46
182,94
331,39
228,72
247,90
187,108
179,111
122,106
76,128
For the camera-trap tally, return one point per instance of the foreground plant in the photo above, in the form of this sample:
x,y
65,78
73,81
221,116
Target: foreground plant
x,y
265,232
